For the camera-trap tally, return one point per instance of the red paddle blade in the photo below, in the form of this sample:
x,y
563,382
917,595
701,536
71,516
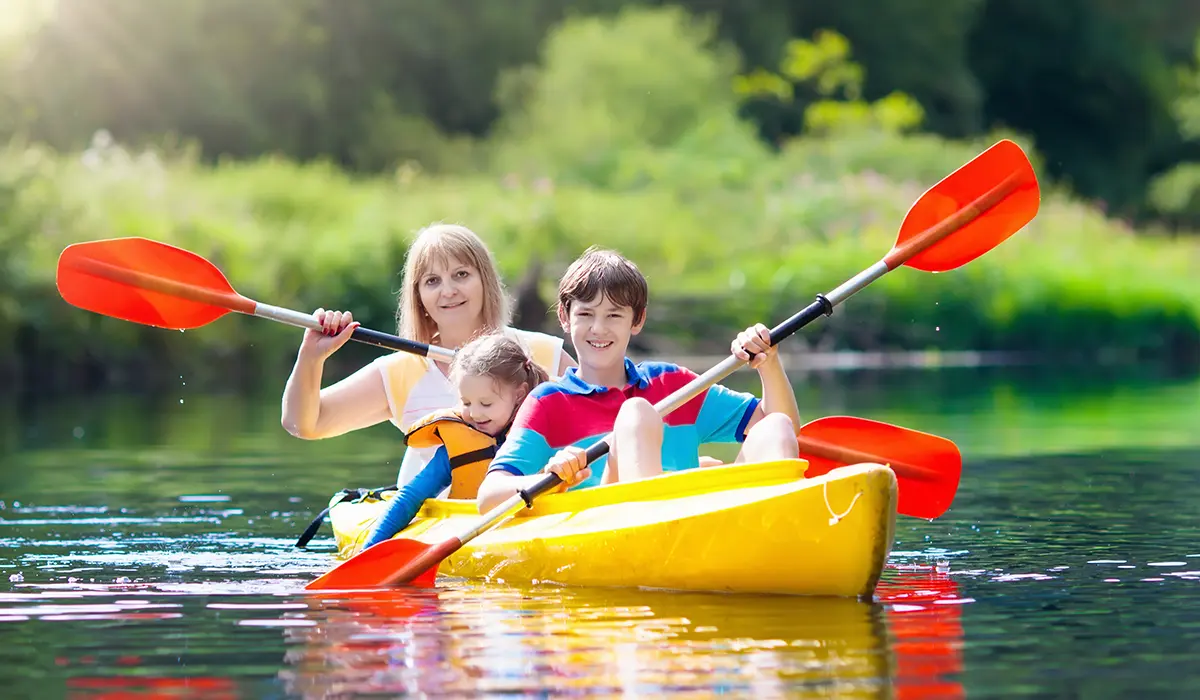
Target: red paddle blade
x,y
971,211
378,566
144,281
927,467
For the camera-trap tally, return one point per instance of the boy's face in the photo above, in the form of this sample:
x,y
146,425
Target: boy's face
x,y
600,331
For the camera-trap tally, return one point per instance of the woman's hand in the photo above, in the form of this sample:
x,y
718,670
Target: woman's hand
x,y
336,329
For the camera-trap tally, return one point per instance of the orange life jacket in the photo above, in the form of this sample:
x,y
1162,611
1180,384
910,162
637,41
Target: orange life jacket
x,y
470,450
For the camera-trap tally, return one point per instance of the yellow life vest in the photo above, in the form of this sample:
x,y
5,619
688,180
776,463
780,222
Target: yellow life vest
x,y
470,450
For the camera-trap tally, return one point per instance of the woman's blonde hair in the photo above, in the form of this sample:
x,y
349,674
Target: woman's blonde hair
x,y
497,356
443,243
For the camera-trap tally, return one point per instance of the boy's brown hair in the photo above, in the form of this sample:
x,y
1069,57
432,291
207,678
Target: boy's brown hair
x,y
600,271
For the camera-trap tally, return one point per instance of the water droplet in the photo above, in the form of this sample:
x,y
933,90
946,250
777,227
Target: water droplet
x,y
180,330
78,432
937,328
16,578
180,400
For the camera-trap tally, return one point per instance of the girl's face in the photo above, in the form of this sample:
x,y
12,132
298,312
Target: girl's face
x,y
487,404
452,294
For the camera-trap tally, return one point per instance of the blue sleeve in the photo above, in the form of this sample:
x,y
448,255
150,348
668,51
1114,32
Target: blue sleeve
x,y
428,483
524,452
725,414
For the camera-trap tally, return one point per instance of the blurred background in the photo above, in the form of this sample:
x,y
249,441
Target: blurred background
x,y
747,155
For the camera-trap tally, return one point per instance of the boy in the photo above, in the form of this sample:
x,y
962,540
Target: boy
x,y
602,304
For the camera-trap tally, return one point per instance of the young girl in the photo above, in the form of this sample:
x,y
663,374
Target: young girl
x,y
450,293
492,374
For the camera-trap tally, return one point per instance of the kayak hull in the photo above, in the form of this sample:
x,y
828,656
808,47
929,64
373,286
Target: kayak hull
x,y
752,528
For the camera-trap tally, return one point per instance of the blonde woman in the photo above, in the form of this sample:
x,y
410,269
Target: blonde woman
x,y
451,293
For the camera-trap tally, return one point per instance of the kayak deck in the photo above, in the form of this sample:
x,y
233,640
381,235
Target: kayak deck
x,y
752,528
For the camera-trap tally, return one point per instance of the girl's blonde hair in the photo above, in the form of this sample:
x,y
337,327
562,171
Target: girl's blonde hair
x,y
443,243
497,356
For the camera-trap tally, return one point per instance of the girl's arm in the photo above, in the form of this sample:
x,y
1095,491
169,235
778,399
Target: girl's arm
x,y
425,485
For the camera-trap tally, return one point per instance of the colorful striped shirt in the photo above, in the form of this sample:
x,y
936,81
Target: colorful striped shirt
x,y
570,411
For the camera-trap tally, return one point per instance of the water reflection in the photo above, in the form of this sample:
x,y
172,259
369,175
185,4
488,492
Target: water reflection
x,y
152,557
472,639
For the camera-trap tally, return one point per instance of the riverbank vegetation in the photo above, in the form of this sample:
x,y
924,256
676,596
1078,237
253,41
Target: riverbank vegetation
x,y
597,144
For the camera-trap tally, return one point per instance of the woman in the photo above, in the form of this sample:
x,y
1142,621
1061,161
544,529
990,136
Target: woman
x,y
451,292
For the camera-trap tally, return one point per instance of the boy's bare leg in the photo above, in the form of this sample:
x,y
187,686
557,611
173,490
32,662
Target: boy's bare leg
x,y
636,451
770,439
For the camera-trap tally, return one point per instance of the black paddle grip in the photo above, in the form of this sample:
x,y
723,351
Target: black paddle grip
x,y
820,307
389,341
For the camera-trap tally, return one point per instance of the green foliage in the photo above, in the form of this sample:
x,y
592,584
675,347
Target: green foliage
x,y
1090,81
825,66
1176,193
596,148
373,85
304,236
642,79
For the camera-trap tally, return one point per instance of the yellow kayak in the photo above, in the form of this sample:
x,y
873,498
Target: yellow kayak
x,y
748,528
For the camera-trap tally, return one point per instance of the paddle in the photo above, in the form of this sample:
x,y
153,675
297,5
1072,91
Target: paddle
x,y
156,284
968,213
927,469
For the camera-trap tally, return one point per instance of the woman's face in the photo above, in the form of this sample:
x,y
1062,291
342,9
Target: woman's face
x,y
452,293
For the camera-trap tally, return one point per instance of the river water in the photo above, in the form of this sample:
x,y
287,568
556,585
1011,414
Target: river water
x,y
146,550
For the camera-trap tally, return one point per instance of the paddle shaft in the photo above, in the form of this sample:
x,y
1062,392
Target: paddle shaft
x,y
823,306
236,302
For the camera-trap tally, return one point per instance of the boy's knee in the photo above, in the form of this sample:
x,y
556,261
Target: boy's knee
x,y
638,412
776,425
773,437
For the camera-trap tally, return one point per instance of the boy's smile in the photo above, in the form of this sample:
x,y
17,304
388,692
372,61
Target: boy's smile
x,y
600,331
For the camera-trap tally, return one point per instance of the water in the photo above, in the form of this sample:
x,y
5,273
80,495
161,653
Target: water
x,y
146,551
